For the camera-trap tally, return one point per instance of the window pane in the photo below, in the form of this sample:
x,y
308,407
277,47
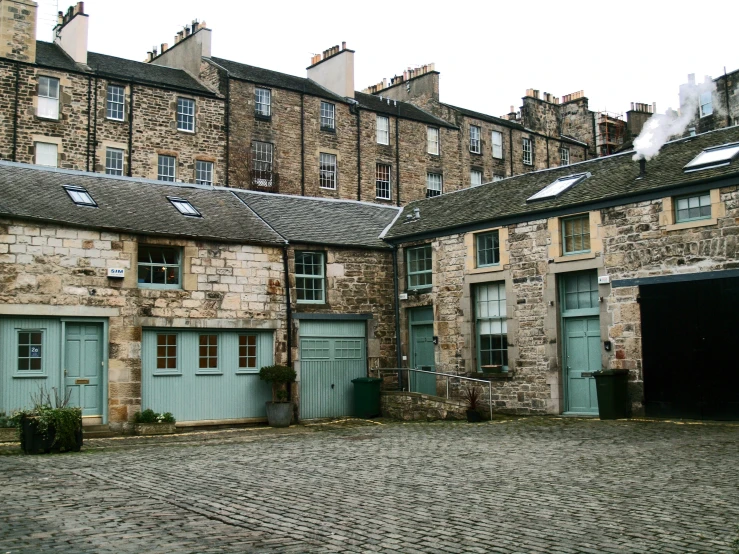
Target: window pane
x,y
166,168
690,208
419,267
576,234
327,168
166,351
488,249
383,130
497,138
29,351
327,115
309,277
382,181
203,173
491,324
46,154
261,154
113,161
433,184
263,102
432,139
159,265
474,139
115,102
185,114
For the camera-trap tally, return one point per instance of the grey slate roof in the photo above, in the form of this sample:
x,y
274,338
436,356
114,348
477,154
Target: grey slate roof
x,y
128,205
51,55
613,178
318,221
403,110
270,78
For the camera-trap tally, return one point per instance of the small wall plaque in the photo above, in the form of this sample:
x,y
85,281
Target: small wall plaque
x,y
116,272
604,279
403,296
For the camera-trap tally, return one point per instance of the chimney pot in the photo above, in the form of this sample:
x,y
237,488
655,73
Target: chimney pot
x,y
642,167
343,45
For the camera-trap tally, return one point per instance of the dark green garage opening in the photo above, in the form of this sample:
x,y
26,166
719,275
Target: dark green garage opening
x,y
690,332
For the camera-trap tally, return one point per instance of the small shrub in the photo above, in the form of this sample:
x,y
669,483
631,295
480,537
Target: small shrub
x,y
7,421
150,416
64,420
280,376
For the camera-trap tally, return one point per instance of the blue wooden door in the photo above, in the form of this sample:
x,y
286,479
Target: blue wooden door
x,y
332,353
83,366
582,358
422,353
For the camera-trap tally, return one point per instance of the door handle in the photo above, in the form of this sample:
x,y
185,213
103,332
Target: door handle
x,y
332,385
65,372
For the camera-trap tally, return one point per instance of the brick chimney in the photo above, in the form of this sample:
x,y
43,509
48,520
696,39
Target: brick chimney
x,y
334,69
637,116
18,30
70,33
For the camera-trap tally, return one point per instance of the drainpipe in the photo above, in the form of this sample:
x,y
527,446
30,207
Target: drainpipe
x,y
595,145
510,141
89,122
726,94
289,306
302,142
227,126
359,156
130,131
397,161
396,290
94,124
15,113
547,142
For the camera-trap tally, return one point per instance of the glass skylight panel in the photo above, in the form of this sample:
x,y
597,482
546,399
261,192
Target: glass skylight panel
x,y
558,187
713,157
184,207
80,196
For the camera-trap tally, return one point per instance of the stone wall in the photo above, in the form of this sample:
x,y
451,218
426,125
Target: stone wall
x,y
412,406
53,271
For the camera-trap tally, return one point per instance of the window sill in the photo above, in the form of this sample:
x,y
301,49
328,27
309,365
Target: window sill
x,y
260,117
329,130
245,372
326,188
475,153
503,376
424,290
115,120
203,373
320,304
149,286
383,143
186,131
432,154
574,257
486,269
381,199
33,376
167,374
691,224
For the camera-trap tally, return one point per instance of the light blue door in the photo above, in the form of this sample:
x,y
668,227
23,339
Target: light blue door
x,y
582,351
83,366
206,374
422,353
332,353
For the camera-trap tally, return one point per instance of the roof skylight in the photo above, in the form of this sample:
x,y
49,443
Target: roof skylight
x,y
556,188
184,207
716,156
80,196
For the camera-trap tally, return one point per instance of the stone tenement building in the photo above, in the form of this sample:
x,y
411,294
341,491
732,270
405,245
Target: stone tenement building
x,y
717,108
189,116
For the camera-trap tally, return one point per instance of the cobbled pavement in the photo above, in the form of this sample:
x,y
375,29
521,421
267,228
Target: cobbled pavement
x,y
528,485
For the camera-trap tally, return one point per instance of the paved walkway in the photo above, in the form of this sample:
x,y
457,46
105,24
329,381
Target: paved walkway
x,y
533,485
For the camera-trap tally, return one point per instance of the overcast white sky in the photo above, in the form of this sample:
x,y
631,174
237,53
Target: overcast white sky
x,y
488,52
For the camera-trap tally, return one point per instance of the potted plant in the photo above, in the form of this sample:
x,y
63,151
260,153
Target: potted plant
x,y
279,411
150,422
8,428
50,426
472,396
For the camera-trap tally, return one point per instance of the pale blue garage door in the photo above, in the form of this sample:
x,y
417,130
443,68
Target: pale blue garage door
x,y
205,374
332,353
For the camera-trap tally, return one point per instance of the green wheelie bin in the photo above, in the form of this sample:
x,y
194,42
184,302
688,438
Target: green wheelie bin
x,y
612,386
367,397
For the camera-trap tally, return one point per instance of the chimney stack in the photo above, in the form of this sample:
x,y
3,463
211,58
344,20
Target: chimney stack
x,y
70,33
334,70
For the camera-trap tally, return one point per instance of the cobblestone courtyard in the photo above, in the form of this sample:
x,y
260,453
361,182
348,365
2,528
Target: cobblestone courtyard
x,y
545,485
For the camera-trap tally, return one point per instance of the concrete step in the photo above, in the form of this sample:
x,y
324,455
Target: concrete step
x,y
97,432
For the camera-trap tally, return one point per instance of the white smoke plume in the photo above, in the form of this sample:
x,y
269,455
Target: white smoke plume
x,y
662,127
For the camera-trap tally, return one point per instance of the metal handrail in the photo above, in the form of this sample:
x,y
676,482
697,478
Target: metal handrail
x,y
447,375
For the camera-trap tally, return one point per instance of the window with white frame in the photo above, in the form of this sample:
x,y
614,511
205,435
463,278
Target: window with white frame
x,y
383,130
382,182
263,102
706,103
167,168
186,114
432,140
48,97
420,269
115,103
309,277
159,267
113,161
475,177
564,156
475,147
433,184
261,155
497,140
497,177
327,168
328,116
80,196
46,153
184,206
528,155
204,173
491,326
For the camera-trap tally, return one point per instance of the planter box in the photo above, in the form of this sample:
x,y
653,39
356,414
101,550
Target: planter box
x,y
279,414
154,428
8,434
34,441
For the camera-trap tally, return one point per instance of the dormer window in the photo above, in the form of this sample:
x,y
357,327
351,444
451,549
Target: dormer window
x,y
559,186
713,157
80,196
184,207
